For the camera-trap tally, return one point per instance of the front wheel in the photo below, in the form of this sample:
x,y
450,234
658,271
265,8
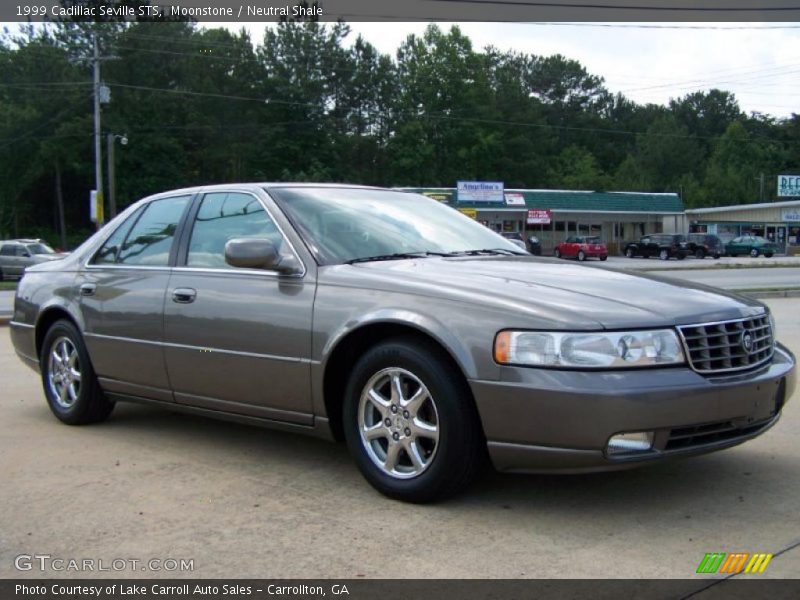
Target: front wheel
x,y
663,255
69,381
581,256
754,252
410,422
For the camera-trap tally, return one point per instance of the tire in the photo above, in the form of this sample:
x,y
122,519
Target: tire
x,y
717,256
557,253
754,252
581,255
663,255
680,256
604,258
81,401
629,252
700,253
770,255
448,455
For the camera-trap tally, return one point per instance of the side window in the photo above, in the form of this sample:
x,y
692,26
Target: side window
x,y
7,250
107,254
150,239
22,250
224,216
645,240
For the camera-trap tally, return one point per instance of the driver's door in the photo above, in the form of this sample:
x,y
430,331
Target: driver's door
x,y
237,340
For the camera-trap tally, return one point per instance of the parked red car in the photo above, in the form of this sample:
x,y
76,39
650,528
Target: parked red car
x,y
581,247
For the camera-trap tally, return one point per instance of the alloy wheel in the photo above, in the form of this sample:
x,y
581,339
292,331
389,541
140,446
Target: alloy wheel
x,y
64,372
398,423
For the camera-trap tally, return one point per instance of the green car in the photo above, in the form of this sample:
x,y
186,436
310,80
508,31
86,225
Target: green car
x,y
752,245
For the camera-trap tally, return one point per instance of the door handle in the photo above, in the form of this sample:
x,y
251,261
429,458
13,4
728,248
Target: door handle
x,y
184,295
88,289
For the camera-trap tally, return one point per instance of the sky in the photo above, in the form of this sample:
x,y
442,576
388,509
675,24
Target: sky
x,y
648,62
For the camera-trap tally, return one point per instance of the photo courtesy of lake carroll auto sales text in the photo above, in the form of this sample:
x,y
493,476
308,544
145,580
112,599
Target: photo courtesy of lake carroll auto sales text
x,y
367,299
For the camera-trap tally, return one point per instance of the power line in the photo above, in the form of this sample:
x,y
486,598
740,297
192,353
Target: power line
x,y
704,9
444,117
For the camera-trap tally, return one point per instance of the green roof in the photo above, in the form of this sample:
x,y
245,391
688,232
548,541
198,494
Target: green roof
x,y
635,202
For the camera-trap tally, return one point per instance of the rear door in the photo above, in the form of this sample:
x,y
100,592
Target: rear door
x,y
8,260
238,340
122,300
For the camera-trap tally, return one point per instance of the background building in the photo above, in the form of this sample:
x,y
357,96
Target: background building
x,y
776,221
553,215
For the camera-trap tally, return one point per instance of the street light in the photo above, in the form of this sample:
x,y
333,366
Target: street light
x,y
112,199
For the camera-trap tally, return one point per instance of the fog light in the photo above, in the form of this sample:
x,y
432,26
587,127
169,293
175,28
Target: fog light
x,y
630,443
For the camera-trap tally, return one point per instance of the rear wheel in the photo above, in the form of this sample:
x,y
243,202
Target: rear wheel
x,y
754,252
663,255
581,255
410,422
557,253
700,253
69,381
629,252
604,258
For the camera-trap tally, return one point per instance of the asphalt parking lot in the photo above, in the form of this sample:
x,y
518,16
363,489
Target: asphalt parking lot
x,y
246,502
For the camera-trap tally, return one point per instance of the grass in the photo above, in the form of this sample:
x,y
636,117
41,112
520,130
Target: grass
x,y
8,285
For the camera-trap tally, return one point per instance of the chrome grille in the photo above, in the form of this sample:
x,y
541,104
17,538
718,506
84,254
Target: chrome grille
x,y
728,345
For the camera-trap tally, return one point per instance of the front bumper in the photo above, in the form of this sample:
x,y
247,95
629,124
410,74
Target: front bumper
x,y
539,420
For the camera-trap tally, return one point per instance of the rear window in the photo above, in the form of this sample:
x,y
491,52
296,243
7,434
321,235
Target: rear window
x,y
592,240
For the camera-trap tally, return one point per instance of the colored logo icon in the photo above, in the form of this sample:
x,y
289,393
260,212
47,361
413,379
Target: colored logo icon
x,y
735,562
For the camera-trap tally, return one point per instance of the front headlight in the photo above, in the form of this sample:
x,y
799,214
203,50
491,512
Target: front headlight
x,y
601,350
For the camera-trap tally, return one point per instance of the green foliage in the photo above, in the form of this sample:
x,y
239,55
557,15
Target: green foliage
x,y
308,102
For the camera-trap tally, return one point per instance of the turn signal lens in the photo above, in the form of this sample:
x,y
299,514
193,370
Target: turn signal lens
x,y
502,346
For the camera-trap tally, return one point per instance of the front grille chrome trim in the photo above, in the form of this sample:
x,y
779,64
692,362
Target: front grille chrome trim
x,y
716,347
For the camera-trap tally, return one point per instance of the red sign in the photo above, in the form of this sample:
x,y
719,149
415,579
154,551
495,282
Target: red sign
x,y
539,217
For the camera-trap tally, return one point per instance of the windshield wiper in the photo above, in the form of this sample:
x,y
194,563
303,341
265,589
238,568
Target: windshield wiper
x,y
395,256
490,251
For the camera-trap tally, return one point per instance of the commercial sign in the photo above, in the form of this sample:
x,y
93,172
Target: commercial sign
x,y
788,186
480,191
515,199
440,196
470,212
96,206
538,216
792,215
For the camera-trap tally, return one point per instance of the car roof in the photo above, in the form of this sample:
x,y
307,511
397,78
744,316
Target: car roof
x,y
253,186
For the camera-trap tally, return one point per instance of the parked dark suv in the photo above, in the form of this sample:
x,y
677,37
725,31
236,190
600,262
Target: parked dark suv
x,y
662,245
703,244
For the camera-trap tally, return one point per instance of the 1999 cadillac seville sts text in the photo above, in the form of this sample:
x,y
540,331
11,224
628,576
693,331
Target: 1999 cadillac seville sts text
x,y
386,319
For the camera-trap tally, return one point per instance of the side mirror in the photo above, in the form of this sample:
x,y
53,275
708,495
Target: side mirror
x,y
258,253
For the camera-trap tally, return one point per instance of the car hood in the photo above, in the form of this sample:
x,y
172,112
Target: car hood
x,y
548,291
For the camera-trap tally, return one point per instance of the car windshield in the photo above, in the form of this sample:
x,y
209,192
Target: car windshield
x,y
40,248
342,225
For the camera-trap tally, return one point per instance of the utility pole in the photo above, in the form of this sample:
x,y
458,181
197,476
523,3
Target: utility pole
x,y
112,191
98,168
